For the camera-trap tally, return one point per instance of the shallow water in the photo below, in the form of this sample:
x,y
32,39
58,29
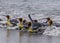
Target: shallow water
x,y
21,8
14,36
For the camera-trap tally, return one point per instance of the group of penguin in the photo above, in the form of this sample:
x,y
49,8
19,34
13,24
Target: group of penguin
x,y
30,26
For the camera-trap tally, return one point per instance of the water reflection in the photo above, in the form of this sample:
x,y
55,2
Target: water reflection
x,y
8,34
20,36
16,36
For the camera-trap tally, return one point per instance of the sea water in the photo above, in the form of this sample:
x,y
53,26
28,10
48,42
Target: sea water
x,y
38,9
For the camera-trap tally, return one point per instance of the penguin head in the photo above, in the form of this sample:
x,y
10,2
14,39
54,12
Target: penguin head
x,y
48,18
24,21
21,19
7,16
1,20
29,24
35,21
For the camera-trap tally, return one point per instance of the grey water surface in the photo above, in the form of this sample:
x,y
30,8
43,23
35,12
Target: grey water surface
x,y
21,8
14,36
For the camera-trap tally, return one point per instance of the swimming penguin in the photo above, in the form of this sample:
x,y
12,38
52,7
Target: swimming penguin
x,y
35,24
25,24
8,20
30,27
49,21
20,23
